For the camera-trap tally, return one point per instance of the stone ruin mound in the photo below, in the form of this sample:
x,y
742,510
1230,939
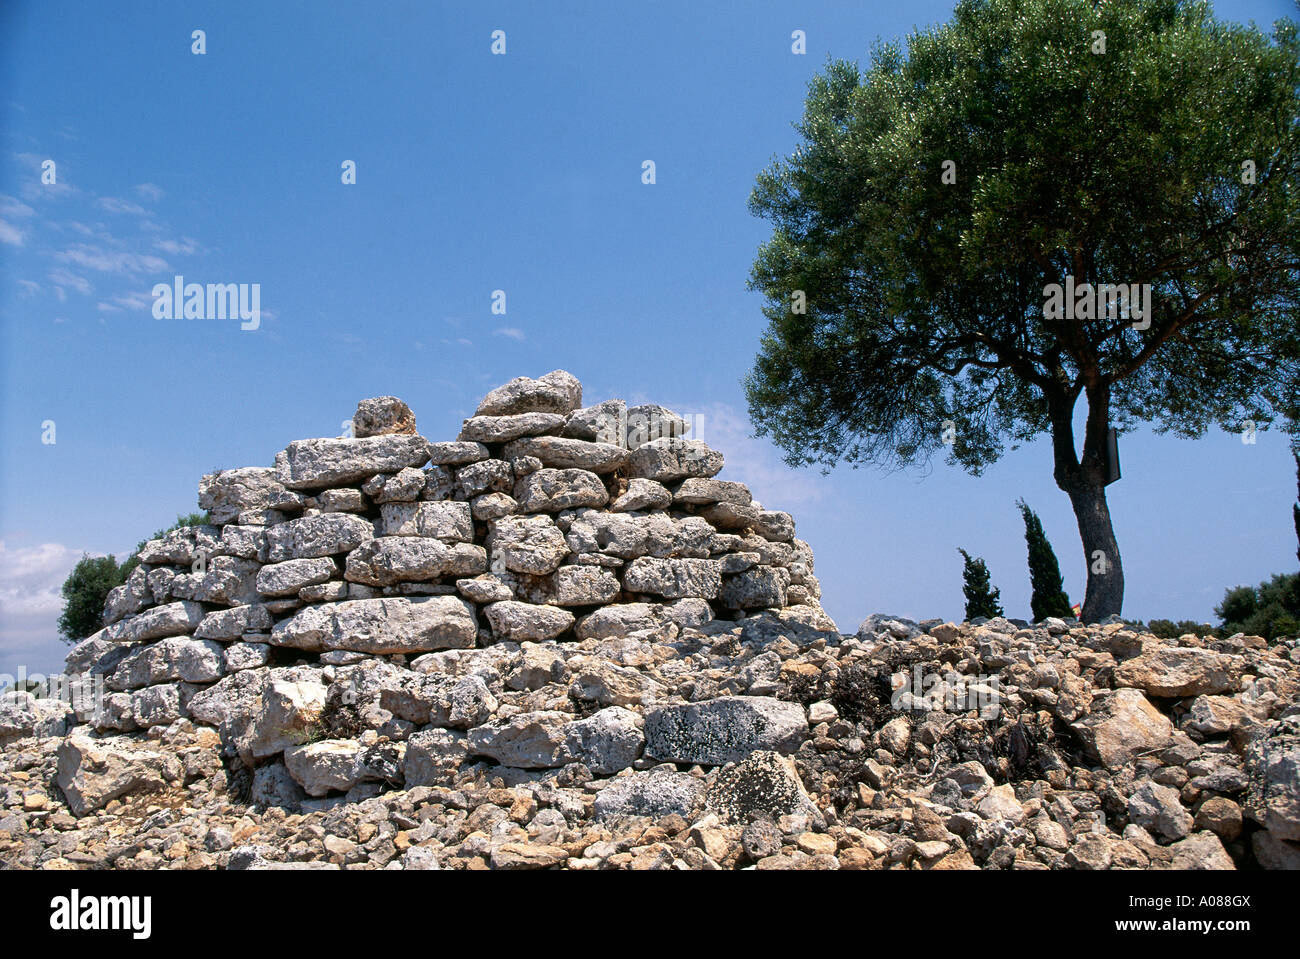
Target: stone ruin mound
x,y
559,641
543,520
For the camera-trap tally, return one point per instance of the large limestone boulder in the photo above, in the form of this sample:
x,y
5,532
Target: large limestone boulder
x,y
1170,671
94,772
326,463
724,730
556,392
382,416
1121,726
1273,767
381,626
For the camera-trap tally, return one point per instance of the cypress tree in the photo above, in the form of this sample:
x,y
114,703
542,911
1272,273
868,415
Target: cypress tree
x,y
981,597
1048,597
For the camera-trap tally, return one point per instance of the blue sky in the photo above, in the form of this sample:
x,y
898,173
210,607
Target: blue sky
x,y
475,173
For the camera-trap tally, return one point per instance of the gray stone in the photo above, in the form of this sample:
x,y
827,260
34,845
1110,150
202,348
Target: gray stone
x,y
381,626
227,493
524,621
537,666
584,586
456,454
325,534
552,490
273,786
443,701
774,525
23,715
226,579
1272,765
621,619
643,494
730,517
404,486
673,578
503,429
556,392
233,623
625,535
289,714
347,500
397,559
1169,671
764,785
174,619
603,423
176,658
484,589
492,506
94,772
561,452
445,520
606,741
1121,726
667,460
526,544
161,705
246,656
724,730
246,542
433,756
382,416
285,579
699,492
758,587
656,793
326,463
534,740
650,421
486,476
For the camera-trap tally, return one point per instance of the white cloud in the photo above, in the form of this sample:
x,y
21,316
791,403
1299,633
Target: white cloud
x,y
150,191
31,603
29,287
65,278
115,205
127,301
184,246
9,206
112,261
512,332
10,234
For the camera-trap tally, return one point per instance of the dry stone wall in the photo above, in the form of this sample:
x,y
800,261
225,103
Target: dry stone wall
x,y
543,520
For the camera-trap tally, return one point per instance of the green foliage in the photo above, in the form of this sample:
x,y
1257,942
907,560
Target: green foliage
x,y
90,581
84,592
924,298
1048,597
1168,629
1270,609
981,596
191,519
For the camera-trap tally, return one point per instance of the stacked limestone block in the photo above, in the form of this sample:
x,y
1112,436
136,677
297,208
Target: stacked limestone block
x,y
543,520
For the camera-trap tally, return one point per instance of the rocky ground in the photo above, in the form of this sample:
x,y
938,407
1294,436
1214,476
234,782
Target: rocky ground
x,y
759,742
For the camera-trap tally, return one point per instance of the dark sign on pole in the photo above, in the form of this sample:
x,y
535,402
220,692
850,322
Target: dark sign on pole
x,y
1112,456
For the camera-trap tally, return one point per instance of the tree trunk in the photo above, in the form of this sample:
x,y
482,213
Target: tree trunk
x,y
1083,480
1105,595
